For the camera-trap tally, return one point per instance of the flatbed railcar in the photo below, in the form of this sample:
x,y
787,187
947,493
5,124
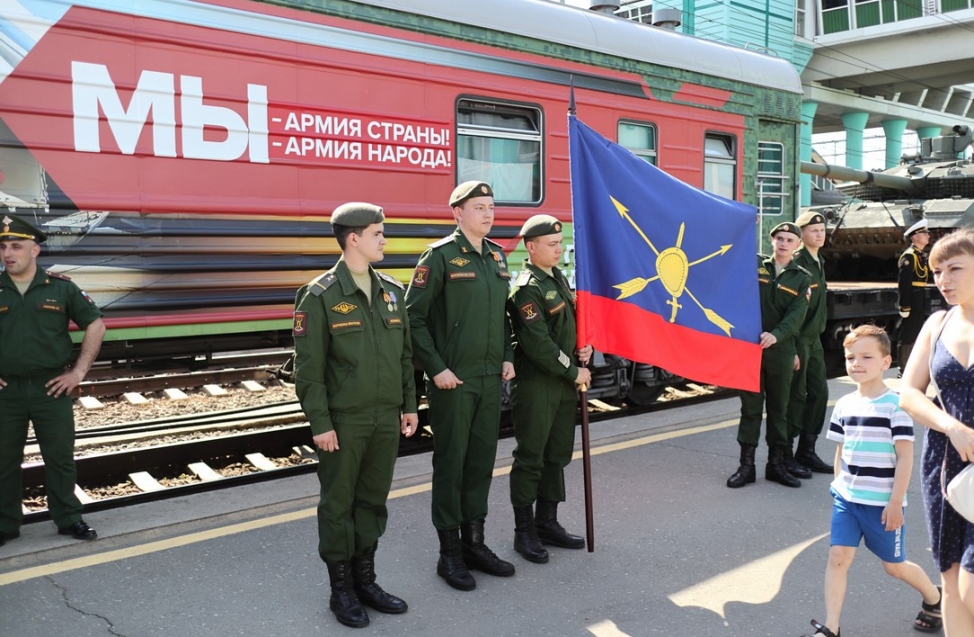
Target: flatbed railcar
x,y
184,156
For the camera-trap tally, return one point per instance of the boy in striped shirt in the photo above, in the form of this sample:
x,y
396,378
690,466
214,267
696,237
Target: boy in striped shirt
x,y
873,463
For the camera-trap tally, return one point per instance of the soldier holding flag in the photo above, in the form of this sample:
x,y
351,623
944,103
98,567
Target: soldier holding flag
x,y
543,396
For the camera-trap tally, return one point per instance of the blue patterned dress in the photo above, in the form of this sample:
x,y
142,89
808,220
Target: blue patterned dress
x,y
951,536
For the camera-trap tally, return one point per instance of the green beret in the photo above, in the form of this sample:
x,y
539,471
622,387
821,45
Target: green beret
x,y
357,214
809,218
13,227
787,226
468,190
539,226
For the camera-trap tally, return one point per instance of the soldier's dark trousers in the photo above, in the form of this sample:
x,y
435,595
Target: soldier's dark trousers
x,y
544,412
22,401
465,423
777,366
355,482
910,326
809,397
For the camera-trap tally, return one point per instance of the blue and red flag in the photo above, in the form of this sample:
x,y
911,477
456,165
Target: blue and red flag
x,y
665,273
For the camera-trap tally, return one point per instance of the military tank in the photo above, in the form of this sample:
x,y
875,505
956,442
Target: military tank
x,y
865,232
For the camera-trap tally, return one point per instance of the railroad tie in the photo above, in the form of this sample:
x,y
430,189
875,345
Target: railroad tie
x,y
261,461
174,393
204,472
214,390
83,497
253,385
90,402
135,398
145,482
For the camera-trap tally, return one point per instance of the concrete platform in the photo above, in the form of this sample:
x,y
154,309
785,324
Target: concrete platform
x,y
676,553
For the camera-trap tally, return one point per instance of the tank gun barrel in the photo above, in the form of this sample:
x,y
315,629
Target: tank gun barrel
x,y
845,173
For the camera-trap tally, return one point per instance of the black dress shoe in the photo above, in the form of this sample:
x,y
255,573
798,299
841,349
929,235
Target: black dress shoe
x,y
9,535
79,531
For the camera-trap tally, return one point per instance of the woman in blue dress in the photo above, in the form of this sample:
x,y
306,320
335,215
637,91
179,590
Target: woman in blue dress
x,y
949,443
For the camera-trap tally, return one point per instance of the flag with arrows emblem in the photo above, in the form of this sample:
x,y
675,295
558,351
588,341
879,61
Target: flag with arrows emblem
x,y
665,272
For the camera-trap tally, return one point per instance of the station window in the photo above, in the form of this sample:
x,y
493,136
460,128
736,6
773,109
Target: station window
x,y
719,165
500,144
771,178
640,139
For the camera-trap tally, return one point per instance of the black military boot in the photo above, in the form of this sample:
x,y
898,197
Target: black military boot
x,y
344,601
807,456
745,473
451,566
526,540
550,531
776,470
477,555
371,594
794,467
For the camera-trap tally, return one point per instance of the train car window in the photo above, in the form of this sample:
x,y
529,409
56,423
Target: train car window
x,y
500,144
771,178
719,165
640,139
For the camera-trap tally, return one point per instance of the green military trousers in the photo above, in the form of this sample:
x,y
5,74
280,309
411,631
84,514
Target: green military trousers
x,y
465,423
355,482
777,367
25,400
809,390
544,412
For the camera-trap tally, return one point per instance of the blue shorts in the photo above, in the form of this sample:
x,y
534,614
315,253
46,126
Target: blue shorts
x,y
852,521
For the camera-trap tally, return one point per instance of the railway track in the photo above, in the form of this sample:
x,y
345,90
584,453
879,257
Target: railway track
x,y
241,446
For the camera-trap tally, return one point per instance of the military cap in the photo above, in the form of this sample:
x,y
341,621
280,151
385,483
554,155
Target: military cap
x,y
919,226
787,226
809,218
357,214
468,190
539,226
13,227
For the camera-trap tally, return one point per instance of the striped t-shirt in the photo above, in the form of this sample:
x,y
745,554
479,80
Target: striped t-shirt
x,y
867,429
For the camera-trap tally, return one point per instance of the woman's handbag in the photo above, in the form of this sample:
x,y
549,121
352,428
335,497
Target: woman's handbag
x,y
960,492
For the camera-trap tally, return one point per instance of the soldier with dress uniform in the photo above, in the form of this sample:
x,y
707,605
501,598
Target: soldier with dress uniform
x,y
784,293
544,398
354,377
912,278
457,302
809,398
37,376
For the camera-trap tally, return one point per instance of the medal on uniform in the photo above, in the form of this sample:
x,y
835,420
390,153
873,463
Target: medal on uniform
x,y
393,305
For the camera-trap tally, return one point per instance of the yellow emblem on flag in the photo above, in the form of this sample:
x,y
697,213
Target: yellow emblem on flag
x,y
672,270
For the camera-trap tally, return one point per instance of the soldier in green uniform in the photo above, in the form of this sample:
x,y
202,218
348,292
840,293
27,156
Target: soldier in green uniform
x,y
37,376
784,294
912,278
354,377
809,388
543,396
462,340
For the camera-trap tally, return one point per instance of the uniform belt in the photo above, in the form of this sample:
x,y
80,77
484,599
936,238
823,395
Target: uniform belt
x,y
48,373
919,284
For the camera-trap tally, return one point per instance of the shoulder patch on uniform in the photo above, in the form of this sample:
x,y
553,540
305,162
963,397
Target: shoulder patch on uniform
x,y
529,312
322,283
523,278
421,276
905,262
764,271
442,242
300,327
390,279
563,358
57,275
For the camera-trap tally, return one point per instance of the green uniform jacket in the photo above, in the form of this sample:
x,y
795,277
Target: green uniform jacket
x,y
353,363
542,310
818,311
34,337
912,276
457,308
784,298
